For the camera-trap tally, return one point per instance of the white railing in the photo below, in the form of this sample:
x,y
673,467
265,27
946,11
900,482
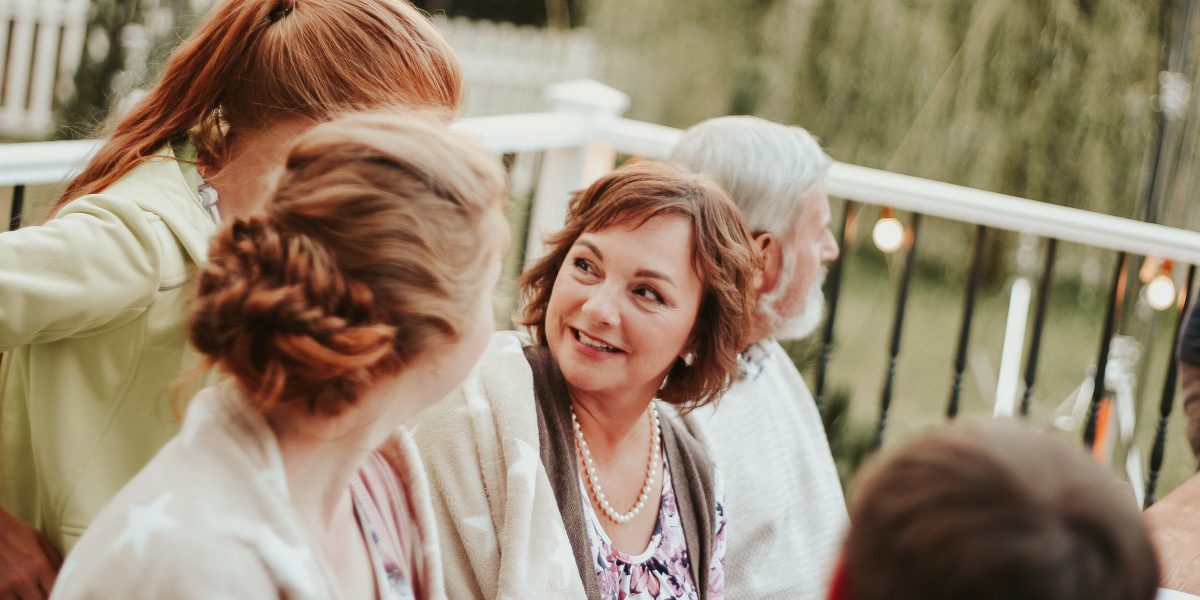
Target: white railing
x,y
584,133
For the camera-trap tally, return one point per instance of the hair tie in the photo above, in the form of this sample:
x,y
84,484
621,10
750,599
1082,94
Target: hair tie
x,y
281,10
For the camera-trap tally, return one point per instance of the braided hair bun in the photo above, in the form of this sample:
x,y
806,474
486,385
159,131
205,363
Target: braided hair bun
x,y
369,252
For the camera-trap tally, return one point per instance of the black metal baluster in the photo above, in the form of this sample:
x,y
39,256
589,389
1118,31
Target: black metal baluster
x,y
1167,403
1039,322
18,205
885,401
833,287
964,333
1110,323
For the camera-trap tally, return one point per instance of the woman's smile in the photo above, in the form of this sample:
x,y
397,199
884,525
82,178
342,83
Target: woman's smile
x,y
624,305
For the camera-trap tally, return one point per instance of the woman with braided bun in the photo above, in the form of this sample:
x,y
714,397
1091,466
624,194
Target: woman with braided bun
x,y
93,301
359,296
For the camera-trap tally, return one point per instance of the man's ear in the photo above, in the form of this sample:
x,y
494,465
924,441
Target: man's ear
x,y
772,255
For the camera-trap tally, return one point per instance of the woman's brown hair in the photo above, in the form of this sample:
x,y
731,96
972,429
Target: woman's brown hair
x,y
371,251
992,511
253,61
723,255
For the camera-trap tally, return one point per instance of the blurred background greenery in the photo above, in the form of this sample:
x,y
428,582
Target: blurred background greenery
x,y
1054,100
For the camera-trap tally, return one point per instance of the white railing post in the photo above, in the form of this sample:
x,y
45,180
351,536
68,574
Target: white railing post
x,y
565,170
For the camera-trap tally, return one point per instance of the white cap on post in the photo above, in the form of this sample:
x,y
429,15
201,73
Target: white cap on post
x,y
586,96
565,170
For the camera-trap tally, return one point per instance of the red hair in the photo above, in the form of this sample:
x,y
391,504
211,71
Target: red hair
x,y
253,61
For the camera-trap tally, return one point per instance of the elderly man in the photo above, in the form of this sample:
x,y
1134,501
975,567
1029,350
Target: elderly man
x,y
785,504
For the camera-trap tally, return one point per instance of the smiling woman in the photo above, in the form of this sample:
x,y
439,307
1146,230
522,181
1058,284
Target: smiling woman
x,y
644,294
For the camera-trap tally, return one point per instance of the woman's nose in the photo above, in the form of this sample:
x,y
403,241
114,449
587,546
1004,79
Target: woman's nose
x,y
601,306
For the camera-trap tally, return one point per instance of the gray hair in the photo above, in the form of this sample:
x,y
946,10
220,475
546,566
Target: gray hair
x,y
765,167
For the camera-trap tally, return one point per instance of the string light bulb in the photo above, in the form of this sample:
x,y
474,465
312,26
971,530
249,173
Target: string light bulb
x,y
1160,292
888,233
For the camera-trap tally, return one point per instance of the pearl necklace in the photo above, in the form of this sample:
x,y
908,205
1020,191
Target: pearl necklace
x,y
586,455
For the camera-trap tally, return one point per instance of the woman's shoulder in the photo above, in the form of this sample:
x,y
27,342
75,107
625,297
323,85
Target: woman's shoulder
x,y
158,174
186,567
163,544
492,408
155,193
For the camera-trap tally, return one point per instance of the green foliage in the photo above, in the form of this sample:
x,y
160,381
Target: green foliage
x,y
851,442
127,42
1035,98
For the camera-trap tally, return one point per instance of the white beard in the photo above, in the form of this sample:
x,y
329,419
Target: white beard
x,y
803,324
800,325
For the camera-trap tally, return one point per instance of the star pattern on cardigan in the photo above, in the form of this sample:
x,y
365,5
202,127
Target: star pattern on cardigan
x,y
145,520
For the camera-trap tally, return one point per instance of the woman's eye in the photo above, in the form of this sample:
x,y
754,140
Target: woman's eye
x,y
649,294
584,266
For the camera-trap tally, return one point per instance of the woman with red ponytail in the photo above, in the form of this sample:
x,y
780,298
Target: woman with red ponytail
x,y
359,296
93,302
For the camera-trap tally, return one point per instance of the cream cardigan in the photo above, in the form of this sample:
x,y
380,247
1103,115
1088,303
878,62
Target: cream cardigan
x,y
209,517
499,454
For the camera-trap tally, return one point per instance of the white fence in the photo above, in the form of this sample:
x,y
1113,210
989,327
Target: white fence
x,y
506,67
41,43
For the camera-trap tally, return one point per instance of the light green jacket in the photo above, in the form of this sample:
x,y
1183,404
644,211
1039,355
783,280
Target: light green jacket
x,y
93,313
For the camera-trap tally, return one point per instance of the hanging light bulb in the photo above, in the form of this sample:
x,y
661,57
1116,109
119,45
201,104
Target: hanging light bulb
x,y
888,234
1160,292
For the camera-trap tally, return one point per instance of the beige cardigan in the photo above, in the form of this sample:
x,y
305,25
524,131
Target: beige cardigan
x,y
209,517
499,454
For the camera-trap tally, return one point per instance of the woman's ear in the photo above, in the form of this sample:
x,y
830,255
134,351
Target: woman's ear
x,y
688,355
772,254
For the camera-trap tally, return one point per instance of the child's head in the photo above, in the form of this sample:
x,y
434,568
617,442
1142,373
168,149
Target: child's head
x,y
381,243
998,511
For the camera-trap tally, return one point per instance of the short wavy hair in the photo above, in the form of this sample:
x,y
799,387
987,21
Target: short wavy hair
x,y
723,255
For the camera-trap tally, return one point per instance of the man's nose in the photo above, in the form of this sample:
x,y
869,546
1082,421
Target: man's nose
x,y
829,249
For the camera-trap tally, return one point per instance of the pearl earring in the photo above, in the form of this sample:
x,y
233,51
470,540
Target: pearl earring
x,y
688,359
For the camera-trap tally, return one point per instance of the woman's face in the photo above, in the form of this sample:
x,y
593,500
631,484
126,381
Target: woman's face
x,y
623,307
457,359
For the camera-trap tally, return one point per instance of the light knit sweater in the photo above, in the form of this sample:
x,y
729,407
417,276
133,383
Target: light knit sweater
x,y
782,491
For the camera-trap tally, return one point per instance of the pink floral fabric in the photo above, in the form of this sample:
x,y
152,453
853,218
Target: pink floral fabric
x,y
663,570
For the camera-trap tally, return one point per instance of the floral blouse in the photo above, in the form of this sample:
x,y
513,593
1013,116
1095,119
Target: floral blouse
x,y
663,570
